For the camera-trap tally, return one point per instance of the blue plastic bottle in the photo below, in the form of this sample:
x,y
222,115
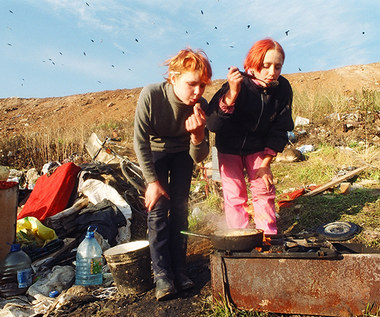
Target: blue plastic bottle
x,y
89,261
15,272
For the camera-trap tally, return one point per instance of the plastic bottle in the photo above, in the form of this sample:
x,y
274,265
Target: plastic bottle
x,y
89,261
15,272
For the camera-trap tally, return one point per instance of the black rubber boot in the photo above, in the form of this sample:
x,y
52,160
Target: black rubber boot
x,y
165,288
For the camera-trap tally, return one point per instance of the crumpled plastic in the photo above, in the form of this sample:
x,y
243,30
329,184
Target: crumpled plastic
x,y
59,279
96,191
30,230
301,121
306,148
4,173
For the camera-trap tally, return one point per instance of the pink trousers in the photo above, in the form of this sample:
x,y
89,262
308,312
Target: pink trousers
x,y
235,194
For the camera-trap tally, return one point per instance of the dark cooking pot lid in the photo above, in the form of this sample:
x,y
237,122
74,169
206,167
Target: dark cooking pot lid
x,y
338,230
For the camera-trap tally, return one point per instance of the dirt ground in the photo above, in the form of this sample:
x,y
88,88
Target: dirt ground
x,y
36,115
187,304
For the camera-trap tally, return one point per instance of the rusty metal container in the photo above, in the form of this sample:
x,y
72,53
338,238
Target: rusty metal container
x,y
8,212
309,286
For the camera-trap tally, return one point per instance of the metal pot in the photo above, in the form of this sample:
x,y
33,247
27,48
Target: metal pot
x,y
233,239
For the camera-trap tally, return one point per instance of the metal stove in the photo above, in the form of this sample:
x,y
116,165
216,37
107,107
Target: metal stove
x,y
299,275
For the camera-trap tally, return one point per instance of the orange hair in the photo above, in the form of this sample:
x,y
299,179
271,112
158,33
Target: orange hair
x,y
188,60
256,54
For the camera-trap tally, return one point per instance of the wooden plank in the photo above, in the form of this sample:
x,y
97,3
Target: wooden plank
x,y
332,183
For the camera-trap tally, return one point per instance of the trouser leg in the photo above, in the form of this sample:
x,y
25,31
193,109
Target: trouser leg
x,y
169,217
179,189
158,236
263,200
231,170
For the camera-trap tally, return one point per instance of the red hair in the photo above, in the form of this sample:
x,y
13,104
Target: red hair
x,y
188,60
256,55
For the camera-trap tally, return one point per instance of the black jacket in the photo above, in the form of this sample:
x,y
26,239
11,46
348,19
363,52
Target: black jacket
x,y
261,118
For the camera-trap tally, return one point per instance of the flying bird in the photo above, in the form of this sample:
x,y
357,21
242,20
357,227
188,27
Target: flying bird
x,y
248,26
187,32
9,44
363,32
202,11
92,41
136,40
84,53
10,11
287,32
207,43
87,4
60,53
215,27
231,46
300,69
112,65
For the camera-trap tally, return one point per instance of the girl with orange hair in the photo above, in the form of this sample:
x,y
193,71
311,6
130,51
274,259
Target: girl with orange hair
x,y
250,116
169,134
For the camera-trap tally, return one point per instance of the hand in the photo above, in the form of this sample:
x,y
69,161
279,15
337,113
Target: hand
x,y
266,174
153,193
234,80
195,124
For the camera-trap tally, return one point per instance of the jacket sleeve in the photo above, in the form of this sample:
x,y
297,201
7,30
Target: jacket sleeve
x,y
215,116
141,137
200,151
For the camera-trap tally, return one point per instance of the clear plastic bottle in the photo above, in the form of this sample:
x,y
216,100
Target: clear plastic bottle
x,y
16,272
89,261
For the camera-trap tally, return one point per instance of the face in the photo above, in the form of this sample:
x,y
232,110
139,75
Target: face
x,y
271,68
188,87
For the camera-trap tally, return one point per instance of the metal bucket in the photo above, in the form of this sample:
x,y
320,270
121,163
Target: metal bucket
x,y
130,266
8,214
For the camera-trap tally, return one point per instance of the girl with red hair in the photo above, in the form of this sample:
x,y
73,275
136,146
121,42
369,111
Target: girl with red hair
x,y
169,134
251,115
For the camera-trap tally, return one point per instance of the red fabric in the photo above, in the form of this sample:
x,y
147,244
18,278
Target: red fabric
x,y
51,194
7,185
289,197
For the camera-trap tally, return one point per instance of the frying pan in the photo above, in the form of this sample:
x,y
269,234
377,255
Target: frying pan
x,y
233,239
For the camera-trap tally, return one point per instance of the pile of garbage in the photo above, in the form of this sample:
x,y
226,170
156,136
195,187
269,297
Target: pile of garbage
x,y
55,208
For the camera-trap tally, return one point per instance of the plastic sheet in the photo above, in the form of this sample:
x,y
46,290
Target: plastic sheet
x,y
31,227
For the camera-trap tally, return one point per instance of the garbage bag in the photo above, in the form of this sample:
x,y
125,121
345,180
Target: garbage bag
x,y
30,229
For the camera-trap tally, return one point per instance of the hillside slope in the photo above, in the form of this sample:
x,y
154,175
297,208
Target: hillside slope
x,y
37,114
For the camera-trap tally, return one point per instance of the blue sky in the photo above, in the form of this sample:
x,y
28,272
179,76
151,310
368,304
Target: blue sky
x,y
53,48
